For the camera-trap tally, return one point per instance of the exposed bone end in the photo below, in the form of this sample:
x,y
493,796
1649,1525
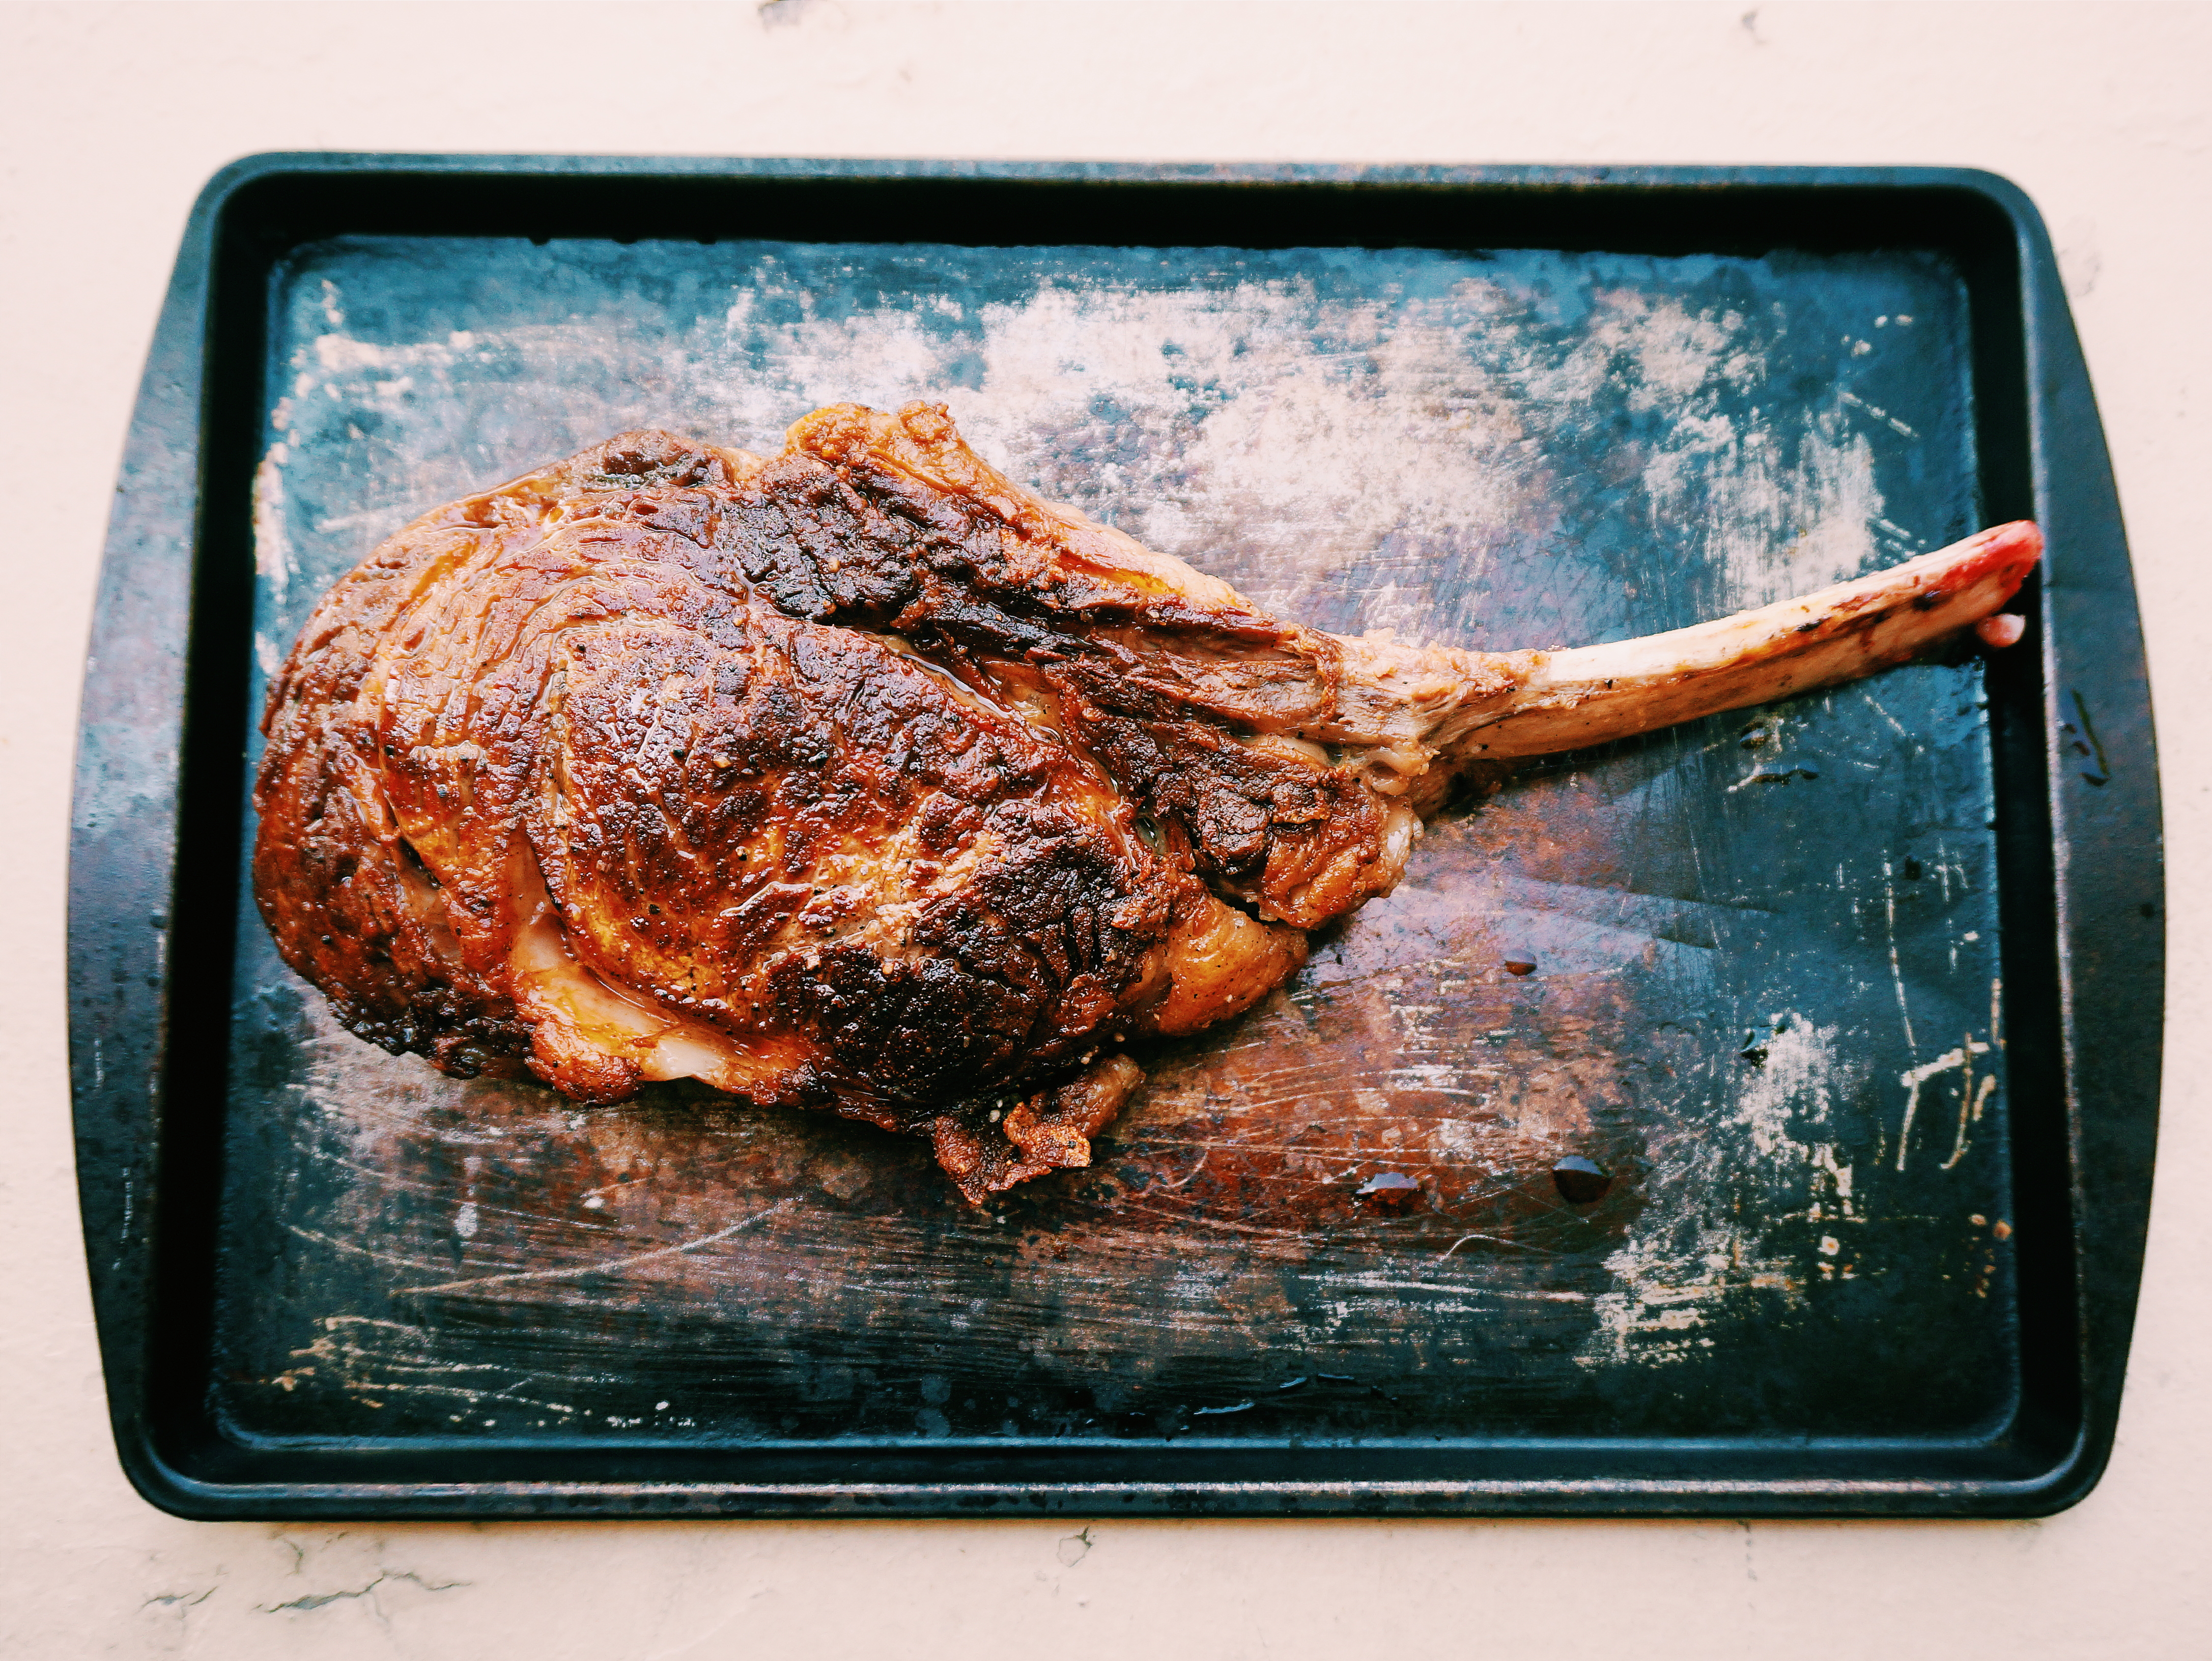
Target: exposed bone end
x,y
1595,694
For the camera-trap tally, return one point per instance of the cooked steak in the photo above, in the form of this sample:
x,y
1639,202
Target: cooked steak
x,y
858,777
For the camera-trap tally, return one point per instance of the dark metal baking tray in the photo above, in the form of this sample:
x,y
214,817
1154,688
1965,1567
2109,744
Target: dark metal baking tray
x,y
1858,998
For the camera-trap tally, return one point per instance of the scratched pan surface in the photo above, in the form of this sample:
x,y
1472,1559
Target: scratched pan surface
x,y
1769,998
1749,934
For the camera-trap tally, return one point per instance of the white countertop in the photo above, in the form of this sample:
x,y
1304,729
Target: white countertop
x,y
114,116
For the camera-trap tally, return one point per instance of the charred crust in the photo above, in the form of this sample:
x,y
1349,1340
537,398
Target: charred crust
x,y
670,691
643,458
1012,974
838,536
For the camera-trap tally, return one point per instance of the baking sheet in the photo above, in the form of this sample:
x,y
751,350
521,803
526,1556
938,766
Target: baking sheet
x,y
1768,997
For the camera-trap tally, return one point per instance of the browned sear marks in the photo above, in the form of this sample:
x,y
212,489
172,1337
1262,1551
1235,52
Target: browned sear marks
x,y
854,779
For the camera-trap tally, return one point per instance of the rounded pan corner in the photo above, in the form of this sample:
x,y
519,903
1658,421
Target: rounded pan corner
x,y
233,176
163,1486
2063,1485
2009,198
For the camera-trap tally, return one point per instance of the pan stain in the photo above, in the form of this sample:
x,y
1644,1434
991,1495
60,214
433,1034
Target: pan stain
x,y
1580,1181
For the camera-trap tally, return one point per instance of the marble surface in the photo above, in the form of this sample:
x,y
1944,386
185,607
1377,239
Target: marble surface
x,y
115,116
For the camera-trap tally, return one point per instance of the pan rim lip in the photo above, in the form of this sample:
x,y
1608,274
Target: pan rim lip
x,y
2039,1493
122,1296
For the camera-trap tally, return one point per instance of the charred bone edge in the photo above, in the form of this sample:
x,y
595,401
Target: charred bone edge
x,y
1593,694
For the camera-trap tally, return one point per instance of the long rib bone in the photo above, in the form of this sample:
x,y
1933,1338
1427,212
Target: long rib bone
x,y
1471,705
1593,695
